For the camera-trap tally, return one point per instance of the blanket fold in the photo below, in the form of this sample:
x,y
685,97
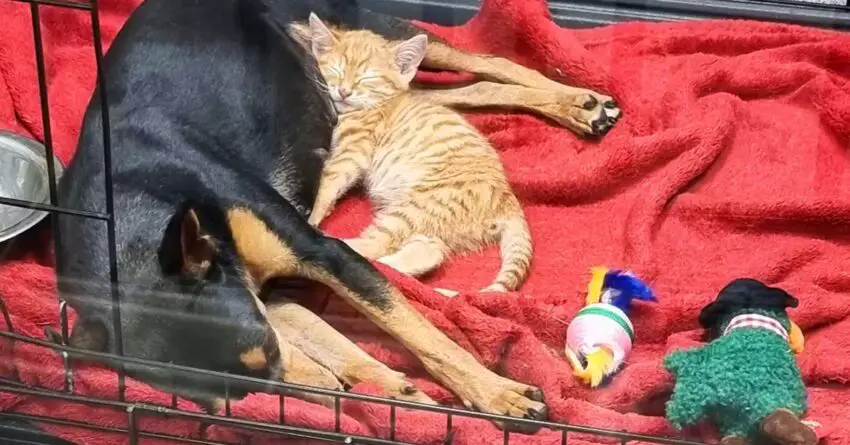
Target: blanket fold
x,y
730,161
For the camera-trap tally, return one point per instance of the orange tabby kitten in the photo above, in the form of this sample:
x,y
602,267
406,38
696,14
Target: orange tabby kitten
x,y
436,183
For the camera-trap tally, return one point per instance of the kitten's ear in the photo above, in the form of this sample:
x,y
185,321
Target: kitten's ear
x,y
321,37
409,54
302,34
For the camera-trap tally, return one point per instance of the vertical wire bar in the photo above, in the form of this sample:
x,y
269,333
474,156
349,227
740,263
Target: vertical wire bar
x,y
227,398
337,408
66,362
110,211
6,317
45,117
41,70
563,437
9,328
282,412
392,423
449,435
507,436
174,401
45,110
132,431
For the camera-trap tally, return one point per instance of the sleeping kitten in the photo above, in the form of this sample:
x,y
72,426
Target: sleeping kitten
x,y
437,185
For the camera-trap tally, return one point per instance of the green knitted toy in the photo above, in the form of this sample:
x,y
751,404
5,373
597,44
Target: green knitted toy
x,y
746,380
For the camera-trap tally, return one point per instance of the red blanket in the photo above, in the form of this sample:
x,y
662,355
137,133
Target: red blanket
x,y
731,161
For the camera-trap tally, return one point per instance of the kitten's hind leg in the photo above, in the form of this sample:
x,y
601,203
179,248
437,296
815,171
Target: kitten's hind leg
x,y
417,256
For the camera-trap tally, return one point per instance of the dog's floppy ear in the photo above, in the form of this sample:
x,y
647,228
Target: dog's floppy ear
x,y
90,335
187,249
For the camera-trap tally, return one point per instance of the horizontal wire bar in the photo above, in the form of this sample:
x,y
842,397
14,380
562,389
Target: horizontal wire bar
x,y
85,6
104,429
159,411
99,356
353,396
53,209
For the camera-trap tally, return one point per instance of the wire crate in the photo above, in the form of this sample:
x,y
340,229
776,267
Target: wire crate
x,y
136,412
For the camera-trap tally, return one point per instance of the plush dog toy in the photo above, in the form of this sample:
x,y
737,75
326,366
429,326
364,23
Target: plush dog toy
x,y
746,379
600,336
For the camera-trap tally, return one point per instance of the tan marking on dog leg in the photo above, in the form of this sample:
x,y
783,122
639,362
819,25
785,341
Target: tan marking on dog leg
x,y
342,358
387,307
254,359
264,254
444,359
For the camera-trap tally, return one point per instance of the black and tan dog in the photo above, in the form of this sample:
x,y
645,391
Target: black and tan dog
x,y
218,127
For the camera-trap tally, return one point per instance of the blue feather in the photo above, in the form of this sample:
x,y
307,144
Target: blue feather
x,y
621,287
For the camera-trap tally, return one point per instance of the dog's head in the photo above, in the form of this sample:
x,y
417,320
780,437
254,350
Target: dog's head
x,y
192,304
742,294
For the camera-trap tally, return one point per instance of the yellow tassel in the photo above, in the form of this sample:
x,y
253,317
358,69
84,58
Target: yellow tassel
x,y
796,338
594,288
598,362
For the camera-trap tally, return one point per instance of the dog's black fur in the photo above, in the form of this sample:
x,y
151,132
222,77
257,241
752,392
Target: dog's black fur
x,y
740,294
212,105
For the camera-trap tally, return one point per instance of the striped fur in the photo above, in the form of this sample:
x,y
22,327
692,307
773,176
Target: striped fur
x,y
437,185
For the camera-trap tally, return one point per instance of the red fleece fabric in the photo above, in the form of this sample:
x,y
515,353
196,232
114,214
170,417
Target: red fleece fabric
x,y
730,161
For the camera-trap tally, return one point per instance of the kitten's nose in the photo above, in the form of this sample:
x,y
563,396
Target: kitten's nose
x,y
343,93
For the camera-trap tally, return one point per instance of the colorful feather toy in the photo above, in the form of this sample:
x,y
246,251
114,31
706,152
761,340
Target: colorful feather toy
x,y
600,336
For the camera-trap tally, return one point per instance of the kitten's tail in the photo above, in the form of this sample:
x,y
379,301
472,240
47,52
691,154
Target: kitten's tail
x,y
516,250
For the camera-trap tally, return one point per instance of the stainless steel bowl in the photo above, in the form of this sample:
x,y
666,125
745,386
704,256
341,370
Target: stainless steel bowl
x,y
23,175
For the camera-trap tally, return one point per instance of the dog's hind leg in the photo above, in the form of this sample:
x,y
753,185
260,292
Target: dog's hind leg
x,y
300,369
279,243
592,112
316,339
567,110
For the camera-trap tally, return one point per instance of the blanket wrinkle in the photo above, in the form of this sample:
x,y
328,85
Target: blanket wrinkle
x,y
730,161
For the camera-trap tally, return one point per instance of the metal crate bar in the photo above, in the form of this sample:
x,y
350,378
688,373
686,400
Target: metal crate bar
x,y
83,5
285,430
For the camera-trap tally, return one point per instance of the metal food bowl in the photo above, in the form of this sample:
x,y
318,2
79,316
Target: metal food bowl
x,y
23,176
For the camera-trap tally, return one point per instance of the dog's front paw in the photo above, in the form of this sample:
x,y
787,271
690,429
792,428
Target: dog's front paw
x,y
509,398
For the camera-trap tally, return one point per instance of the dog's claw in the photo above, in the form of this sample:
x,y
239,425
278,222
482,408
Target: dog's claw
x,y
534,394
